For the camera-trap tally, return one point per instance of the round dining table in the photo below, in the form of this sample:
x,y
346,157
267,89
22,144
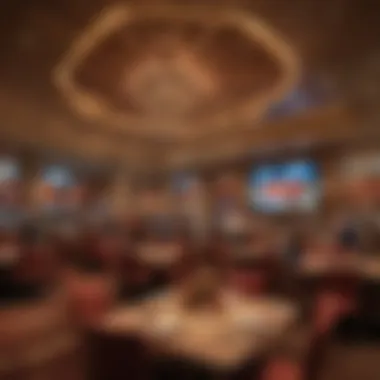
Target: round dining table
x,y
157,338
159,256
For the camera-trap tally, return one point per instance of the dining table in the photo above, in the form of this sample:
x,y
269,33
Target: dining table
x,y
364,265
159,256
207,342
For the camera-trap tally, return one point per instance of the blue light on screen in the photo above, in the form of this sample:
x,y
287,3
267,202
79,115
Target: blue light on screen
x,y
58,176
9,169
302,171
269,186
264,175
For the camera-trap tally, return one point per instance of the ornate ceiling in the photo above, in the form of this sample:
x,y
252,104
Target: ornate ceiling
x,y
151,84
175,72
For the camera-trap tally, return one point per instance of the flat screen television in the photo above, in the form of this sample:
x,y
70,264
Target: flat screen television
x,y
58,188
285,188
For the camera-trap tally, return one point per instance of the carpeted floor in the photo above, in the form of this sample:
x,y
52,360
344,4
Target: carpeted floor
x,y
352,363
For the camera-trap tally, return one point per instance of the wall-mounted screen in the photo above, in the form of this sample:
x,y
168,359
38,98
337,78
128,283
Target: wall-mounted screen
x,y
289,187
59,188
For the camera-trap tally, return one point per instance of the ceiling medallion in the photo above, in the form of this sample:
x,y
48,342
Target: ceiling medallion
x,y
175,73
170,86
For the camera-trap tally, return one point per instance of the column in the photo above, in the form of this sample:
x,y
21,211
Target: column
x,y
120,196
31,169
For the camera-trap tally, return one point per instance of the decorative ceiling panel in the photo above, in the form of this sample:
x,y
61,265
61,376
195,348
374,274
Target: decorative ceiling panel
x,y
141,86
175,73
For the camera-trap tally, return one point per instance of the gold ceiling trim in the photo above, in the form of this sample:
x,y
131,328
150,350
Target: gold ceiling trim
x,y
112,19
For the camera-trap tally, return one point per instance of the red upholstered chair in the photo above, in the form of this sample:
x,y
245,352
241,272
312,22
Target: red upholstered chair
x,y
38,265
132,272
282,368
330,306
109,252
249,282
180,268
302,359
334,300
90,296
337,297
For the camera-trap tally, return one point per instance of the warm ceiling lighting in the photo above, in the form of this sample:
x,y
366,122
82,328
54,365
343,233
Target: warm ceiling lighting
x,y
181,90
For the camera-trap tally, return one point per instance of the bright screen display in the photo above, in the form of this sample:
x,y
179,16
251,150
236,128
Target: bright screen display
x,y
59,188
58,177
289,187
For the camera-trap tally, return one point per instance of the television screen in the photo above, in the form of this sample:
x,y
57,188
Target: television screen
x,y
58,176
290,187
59,188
